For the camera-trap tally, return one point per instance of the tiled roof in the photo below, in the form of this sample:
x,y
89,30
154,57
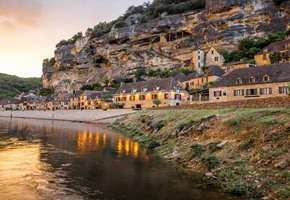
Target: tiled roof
x,y
214,70
277,73
236,63
4,102
181,77
277,46
164,84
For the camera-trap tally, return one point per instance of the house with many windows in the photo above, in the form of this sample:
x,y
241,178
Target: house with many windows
x,y
142,94
254,82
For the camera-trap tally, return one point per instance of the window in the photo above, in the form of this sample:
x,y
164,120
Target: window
x,y
198,52
177,97
216,58
217,93
238,92
198,65
166,96
283,90
252,79
212,52
264,91
154,96
191,83
177,87
239,81
118,99
198,57
266,78
252,92
132,98
264,56
142,97
123,99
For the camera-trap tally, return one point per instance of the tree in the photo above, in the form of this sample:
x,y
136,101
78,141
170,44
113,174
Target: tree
x,y
157,102
275,57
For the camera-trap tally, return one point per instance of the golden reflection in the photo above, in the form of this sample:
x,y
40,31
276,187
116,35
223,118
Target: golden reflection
x,y
136,149
119,146
104,139
127,147
97,139
90,136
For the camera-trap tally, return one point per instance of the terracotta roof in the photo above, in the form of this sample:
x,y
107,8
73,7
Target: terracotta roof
x,y
277,46
180,77
164,84
277,73
214,70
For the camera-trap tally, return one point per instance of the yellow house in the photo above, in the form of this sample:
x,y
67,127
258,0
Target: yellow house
x,y
252,83
142,94
263,58
213,73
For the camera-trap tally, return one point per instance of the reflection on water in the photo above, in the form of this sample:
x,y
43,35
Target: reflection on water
x,y
63,160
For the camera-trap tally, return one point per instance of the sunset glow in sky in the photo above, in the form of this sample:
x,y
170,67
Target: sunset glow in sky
x,y
29,29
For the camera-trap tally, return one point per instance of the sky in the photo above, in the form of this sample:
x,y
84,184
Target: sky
x,y
29,29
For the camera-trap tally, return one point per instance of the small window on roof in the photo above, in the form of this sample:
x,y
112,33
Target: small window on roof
x,y
266,78
252,79
239,81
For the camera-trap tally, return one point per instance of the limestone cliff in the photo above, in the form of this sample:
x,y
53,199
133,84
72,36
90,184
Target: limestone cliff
x,y
166,42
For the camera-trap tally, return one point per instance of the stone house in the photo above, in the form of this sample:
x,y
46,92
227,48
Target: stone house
x,y
5,104
74,102
201,59
183,79
212,74
263,57
142,94
254,82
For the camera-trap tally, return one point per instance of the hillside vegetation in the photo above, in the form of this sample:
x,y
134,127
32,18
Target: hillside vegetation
x,y
244,151
13,85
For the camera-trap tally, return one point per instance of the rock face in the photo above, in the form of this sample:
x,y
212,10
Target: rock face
x,y
164,43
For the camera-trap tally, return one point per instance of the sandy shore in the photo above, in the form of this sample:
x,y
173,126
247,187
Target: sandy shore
x,y
93,116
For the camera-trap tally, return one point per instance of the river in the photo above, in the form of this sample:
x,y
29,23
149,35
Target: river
x,y
41,159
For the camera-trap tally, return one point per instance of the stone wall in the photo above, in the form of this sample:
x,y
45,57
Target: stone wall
x,y
249,103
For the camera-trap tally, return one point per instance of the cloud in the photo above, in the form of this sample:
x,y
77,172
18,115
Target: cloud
x,y
14,13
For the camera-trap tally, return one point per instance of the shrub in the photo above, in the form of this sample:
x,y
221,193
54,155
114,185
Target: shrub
x,y
197,150
210,161
153,145
238,187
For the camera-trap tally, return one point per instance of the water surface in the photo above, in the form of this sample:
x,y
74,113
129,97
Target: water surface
x,y
42,159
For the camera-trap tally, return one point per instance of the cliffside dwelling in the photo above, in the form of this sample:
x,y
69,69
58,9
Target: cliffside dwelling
x,y
201,59
283,47
256,82
142,94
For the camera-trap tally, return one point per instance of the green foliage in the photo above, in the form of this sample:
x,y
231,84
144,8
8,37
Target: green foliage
x,y
166,73
95,86
239,188
157,102
248,47
72,40
275,57
116,105
185,125
153,145
13,85
139,73
210,161
197,150
46,91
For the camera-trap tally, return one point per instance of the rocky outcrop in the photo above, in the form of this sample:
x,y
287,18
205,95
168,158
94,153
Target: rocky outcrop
x,y
164,43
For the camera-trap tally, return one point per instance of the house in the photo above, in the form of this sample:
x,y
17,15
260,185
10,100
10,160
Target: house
x,y
200,59
74,102
142,94
228,67
183,79
254,82
212,74
263,57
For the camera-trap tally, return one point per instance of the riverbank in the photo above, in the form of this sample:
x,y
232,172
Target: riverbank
x,y
89,116
244,151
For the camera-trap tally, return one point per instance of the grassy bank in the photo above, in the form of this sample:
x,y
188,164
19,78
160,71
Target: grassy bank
x,y
244,151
